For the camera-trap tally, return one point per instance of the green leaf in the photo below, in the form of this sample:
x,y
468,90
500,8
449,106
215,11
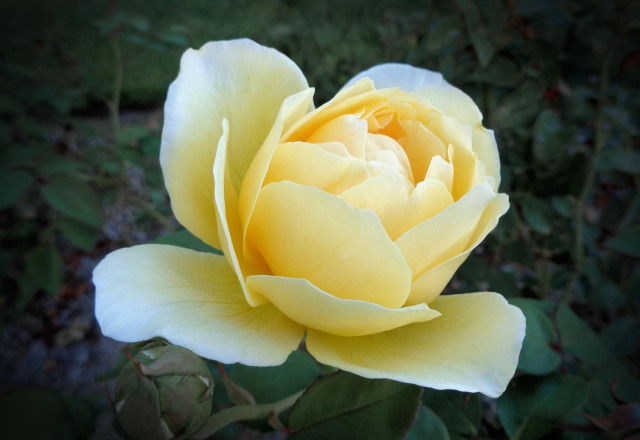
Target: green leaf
x,y
74,198
54,165
132,133
617,159
620,335
445,34
35,414
549,137
520,107
428,426
346,406
14,184
484,48
269,384
44,268
563,205
460,412
626,241
151,146
531,407
185,239
501,72
537,214
131,154
578,339
537,356
78,233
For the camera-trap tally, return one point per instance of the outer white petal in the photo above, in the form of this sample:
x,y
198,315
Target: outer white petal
x,y
193,299
403,76
238,80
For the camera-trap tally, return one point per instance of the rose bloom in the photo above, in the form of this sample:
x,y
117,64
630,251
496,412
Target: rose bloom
x,y
340,225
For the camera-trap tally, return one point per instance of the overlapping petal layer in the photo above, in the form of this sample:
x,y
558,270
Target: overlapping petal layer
x,y
303,232
238,80
472,347
306,304
194,300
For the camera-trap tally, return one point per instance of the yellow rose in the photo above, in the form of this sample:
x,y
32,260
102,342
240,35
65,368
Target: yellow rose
x,y
344,222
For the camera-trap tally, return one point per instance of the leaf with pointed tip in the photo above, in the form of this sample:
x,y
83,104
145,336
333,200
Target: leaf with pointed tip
x,y
346,406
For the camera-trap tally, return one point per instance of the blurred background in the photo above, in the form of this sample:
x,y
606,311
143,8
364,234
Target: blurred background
x,y
82,84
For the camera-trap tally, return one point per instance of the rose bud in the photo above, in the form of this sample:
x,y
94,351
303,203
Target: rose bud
x,y
165,392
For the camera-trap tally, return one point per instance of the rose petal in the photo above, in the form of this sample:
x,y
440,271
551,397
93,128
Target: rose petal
x,y
452,102
207,90
445,235
304,232
317,165
440,169
421,146
293,108
485,146
428,286
307,305
194,300
398,206
349,130
229,226
404,76
472,347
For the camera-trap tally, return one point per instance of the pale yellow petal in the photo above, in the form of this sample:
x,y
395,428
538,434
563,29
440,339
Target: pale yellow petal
x,y
485,146
421,145
293,108
316,165
307,305
440,169
348,129
473,347
445,235
399,206
427,287
464,170
229,226
452,102
193,299
404,76
304,232
238,80
359,99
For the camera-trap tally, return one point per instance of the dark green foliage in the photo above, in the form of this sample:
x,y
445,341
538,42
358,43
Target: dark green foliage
x,y
558,81
345,406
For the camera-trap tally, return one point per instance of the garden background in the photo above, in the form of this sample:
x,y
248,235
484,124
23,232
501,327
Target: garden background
x,y
82,85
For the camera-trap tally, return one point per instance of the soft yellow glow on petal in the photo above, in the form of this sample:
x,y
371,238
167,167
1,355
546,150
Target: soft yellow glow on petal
x,y
451,101
193,299
229,227
485,146
317,165
445,235
203,94
293,108
303,232
421,145
399,206
440,169
427,287
307,305
348,129
473,346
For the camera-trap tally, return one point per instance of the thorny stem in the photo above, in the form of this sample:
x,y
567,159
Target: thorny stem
x,y
245,412
600,141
